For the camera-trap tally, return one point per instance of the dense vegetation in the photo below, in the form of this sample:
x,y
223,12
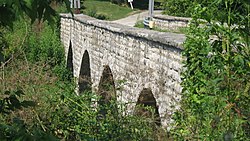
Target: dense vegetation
x,y
105,10
38,100
216,78
34,9
114,9
37,93
185,8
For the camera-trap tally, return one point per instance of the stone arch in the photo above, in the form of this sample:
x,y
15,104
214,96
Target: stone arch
x,y
106,91
70,59
84,81
147,99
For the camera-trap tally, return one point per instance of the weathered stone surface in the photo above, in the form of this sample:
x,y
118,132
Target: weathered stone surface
x,y
143,58
170,22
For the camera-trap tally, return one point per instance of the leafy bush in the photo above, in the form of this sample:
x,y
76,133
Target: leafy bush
x,y
119,2
185,8
15,128
216,96
12,43
180,8
93,13
45,46
59,113
85,122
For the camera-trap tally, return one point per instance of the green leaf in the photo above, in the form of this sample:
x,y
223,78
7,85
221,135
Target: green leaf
x,y
26,103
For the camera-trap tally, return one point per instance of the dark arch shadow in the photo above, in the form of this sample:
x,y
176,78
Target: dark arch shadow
x,y
146,99
106,90
70,60
85,77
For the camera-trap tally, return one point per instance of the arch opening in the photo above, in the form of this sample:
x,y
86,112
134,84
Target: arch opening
x,y
146,99
70,60
107,93
84,81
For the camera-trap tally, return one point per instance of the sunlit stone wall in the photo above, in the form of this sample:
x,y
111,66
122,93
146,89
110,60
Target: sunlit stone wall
x,y
138,58
170,22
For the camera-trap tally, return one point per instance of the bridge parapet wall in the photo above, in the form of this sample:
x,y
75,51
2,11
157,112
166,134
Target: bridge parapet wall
x,y
170,22
140,57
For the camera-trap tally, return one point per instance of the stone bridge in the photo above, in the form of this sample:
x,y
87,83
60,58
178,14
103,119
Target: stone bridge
x,y
142,66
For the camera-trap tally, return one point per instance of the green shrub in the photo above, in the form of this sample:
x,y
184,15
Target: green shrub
x,y
216,96
119,2
85,122
93,13
185,8
15,128
59,113
45,46
180,8
13,40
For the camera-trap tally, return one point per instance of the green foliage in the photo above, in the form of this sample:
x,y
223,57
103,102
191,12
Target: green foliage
x,y
93,13
139,24
45,46
105,9
180,8
12,10
40,43
11,102
16,129
34,9
185,8
216,96
119,2
84,121
14,42
58,113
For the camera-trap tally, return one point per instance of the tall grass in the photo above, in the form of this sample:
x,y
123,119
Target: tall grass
x,y
39,103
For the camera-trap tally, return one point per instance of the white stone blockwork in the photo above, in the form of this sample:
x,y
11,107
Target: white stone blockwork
x,y
142,58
